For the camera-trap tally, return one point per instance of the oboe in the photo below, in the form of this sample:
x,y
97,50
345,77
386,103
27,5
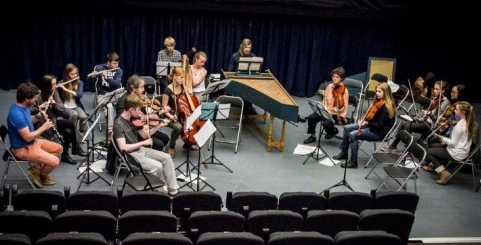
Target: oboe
x,y
44,117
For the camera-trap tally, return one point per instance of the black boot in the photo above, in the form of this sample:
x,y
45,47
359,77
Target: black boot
x,y
67,159
330,135
350,164
78,151
340,156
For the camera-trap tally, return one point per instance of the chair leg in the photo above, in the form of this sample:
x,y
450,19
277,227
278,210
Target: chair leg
x,y
26,175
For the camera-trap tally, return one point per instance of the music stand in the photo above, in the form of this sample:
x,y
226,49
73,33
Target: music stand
x,y
163,69
210,113
188,124
343,182
318,107
215,87
201,137
106,99
86,172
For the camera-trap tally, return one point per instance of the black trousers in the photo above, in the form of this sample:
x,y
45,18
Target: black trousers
x,y
314,118
412,127
67,129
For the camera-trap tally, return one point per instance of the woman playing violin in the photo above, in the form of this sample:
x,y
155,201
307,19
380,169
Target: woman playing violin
x,y
336,98
438,105
169,98
373,127
136,86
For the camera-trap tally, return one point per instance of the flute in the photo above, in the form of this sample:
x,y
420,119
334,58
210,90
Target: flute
x,y
69,81
96,73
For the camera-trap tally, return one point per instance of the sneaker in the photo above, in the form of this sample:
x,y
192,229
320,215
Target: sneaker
x,y
47,180
331,135
36,177
309,140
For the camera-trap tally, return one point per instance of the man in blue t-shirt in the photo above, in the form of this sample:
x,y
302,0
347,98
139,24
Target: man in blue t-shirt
x,y
24,139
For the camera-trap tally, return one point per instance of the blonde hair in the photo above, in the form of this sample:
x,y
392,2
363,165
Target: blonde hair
x,y
388,99
169,41
469,112
177,71
199,54
243,44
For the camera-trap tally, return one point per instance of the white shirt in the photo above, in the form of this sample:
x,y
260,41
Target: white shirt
x,y
458,145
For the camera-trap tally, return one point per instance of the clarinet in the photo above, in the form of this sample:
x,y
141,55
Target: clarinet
x,y
44,117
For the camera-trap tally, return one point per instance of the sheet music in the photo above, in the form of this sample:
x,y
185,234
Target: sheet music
x,y
304,150
114,94
216,86
191,119
161,67
90,129
204,133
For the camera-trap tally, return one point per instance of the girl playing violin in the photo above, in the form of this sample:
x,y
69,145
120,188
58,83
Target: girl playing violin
x,y
373,127
136,86
169,98
336,98
438,105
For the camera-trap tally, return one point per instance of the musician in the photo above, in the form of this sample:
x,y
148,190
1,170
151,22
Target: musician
x,y
60,117
168,54
245,48
456,147
198,74
157,162
336,99
373,127
169,98
25,141
109,77
438,105
136,86
71,95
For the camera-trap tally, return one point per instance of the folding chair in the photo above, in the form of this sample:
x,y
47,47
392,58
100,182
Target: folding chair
x,y
139,182
122,163
403,173
390,134
472,159
8,157
237,124
355,88
150,86
401,95
388,157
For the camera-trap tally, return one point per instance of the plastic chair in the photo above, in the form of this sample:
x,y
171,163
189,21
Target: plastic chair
x,y
366,238
122,163
299,237
8,157
72,238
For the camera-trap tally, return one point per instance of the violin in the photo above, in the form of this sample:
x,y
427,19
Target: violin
x,y
338,93
153,120
371,113
152,103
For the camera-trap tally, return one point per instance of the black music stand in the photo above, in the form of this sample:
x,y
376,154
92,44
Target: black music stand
x,y
86,173
215,87
188,164
318,107
162,69
201,138
106,99
210,113
343,182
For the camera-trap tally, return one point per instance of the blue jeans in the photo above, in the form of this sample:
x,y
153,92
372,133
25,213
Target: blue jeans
x,y
350,138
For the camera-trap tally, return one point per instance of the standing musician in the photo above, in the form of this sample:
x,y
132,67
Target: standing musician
x,y
169,98
438,105
168,54
198,75
336,99
456,146
125,132
25,141
71,93
109,78
373,127
136,86
60,117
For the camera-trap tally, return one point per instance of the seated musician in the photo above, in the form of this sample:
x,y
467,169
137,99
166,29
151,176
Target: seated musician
x,y
60,117
335,101
373,127
25,141
125,132
456,146
199,74
244,51
438,105
136,86
170,98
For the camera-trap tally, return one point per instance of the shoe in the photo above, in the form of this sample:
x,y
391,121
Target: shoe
x,y
388,148
350,164
67,159
79,151
171,152
309,140
37,181
191,147
428,168
341,156
47,180
104,144
331,135
443,177
172,193
300,119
